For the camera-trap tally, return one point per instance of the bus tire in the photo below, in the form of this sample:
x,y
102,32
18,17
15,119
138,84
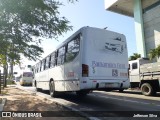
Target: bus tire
x,y
121,90
52,91
147,89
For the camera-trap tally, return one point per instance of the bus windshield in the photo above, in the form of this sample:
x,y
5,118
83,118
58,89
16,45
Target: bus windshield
x,y
27,74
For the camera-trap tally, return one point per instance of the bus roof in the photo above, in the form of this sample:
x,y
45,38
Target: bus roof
x,y
73,35
79,31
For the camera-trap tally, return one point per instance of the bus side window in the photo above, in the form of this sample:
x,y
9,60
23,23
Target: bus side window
x,y
40,66
44,64
37,68
56,57
134,65
73,48
61,56
52,60
34,69
47,62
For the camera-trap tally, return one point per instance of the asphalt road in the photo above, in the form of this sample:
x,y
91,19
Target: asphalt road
x,y
101,104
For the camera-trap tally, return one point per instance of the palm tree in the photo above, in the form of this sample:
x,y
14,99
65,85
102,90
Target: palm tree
x,y
158,51
134,56
154,53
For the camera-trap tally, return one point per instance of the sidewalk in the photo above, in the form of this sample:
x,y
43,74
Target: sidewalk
x,y
1,106
2,102
19,100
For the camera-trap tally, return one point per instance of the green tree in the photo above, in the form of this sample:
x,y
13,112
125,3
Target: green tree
x,y
134,56
23,24
154,53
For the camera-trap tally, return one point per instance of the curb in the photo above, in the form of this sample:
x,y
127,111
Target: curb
x,y
73,109
67,107
2,103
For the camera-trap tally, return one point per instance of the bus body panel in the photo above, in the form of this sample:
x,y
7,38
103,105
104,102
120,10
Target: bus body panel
x,y
72,74
41,79
57,74
105,65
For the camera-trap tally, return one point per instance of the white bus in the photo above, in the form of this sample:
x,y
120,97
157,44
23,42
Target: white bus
x,y
26,78
82,64
23,75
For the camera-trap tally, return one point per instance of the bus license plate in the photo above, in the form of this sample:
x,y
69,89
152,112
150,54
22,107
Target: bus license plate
x,y
108,85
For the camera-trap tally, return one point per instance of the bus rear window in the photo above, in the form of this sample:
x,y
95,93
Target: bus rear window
x,y
27,74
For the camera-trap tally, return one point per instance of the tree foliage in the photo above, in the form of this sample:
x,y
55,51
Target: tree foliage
x,y
154,53
24,22
134,56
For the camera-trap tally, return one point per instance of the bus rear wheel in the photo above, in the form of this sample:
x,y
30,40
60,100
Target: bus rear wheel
x,y
52,91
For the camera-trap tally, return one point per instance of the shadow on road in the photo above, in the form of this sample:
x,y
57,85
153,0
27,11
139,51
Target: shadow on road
x,y
137,93
130,92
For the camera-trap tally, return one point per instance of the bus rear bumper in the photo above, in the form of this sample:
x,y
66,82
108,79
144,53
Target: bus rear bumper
x,y
25,83
105,84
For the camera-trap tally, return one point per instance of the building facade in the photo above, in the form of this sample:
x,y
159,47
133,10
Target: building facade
x,y
146,14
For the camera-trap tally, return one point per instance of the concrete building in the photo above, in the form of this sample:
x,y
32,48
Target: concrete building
x,y
146,14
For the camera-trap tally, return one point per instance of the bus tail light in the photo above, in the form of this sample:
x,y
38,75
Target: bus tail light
x,y
84,70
